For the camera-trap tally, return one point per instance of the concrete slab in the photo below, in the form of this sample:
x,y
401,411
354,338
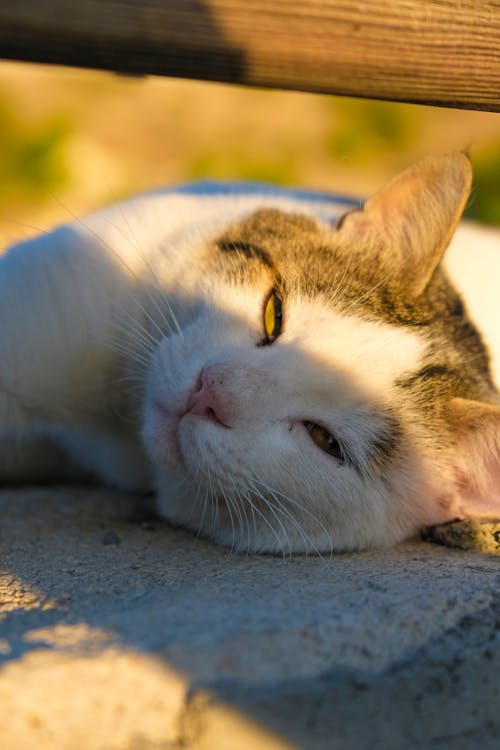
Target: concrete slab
x,y
120,632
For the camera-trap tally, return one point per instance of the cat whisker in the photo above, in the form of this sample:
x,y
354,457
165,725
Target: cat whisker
x,y
135,345
295,523
237,499
370,291
136,379
254,523
248,499
193,502
131,343
34,228
120,315
152,320
339,288
138,332
153,273
203,514
309,544
127,351
305,511
244,508
287,515
201,484
271,507
133,240
151,270
211,502
215,511
228,508
228,502
134,275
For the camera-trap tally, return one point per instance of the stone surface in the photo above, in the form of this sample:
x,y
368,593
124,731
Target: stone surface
x,y
117,631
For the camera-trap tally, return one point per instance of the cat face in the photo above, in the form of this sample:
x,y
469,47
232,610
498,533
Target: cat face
x,y
303,408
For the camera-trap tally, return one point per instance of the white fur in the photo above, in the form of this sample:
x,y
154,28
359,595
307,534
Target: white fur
x,y
74,308
320,370
473,262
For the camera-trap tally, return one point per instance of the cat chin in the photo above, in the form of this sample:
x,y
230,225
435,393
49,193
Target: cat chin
x,y
186,503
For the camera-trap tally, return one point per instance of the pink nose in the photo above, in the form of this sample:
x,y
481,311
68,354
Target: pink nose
x,y
207,399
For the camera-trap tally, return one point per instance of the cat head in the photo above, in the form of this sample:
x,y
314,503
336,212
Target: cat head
x,y
329,391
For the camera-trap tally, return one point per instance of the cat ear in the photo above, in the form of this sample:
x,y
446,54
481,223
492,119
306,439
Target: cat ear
x,y
406,226
475,457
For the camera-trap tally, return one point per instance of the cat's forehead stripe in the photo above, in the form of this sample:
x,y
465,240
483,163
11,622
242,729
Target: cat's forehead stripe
x,y
248,249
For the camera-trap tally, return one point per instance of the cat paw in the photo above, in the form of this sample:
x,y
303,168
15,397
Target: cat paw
x,y
468,534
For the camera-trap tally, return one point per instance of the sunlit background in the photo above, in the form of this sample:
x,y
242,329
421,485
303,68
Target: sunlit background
x,y
71,140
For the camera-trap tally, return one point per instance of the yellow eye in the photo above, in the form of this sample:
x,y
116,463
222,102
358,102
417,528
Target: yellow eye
x,y
325,440
273,318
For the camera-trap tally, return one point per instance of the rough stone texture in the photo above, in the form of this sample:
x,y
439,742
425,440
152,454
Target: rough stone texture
x,y
117,632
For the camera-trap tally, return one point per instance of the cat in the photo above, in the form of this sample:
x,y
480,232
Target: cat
x,y
289,372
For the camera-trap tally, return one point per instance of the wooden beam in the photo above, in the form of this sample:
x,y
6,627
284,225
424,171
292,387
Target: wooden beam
x,y
444,52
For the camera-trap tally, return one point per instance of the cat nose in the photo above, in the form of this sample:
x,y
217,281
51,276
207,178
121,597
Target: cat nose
x,y
207,399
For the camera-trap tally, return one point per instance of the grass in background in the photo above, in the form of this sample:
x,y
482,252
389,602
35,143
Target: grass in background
x,y
364,129
238,164
484,203
89,138
32,158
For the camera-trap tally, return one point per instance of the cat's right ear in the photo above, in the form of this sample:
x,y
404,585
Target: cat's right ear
x,y
405,228
475,458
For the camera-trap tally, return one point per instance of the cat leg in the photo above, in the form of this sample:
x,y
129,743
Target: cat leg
x,y
61,359
34,459
58,299
26,454
33,451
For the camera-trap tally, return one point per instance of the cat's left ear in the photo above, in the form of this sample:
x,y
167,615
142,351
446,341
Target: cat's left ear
x,y
475,458
407,225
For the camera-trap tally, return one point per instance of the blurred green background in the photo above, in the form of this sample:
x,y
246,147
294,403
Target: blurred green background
x,y
71,140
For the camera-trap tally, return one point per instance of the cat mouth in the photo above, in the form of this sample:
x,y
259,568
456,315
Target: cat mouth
x,y
209,415
206,405
163,437
166,439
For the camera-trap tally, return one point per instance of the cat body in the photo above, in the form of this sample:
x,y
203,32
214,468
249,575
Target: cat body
x,y
285,380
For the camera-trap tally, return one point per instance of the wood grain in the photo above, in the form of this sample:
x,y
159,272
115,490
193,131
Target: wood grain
x,y
444,52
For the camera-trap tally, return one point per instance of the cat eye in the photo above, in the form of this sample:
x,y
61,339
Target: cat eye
x,y
325,440
273,318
